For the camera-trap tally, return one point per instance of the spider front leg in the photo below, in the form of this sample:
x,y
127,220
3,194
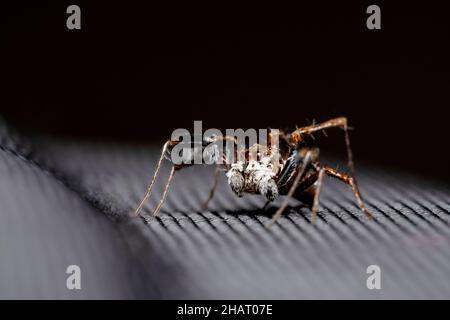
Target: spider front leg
x,y
213,188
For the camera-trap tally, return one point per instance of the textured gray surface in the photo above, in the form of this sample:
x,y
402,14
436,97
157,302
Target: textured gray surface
x,y
45,227
54,209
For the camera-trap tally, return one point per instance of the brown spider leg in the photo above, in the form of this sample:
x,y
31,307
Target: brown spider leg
x,y
352,183
166,189
149,189
306,162
332,123
213,188
315,206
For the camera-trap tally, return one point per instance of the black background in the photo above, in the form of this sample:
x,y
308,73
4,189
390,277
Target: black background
x,y
136,72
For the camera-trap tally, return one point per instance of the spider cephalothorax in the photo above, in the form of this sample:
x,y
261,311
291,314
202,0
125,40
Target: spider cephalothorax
x,y
290,168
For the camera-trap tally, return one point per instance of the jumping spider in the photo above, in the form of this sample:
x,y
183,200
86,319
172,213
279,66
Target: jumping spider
x,y
297,174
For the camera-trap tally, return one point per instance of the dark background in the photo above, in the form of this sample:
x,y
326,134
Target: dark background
x,y
136,72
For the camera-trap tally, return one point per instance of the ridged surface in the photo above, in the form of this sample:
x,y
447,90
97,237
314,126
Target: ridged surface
x,y
46,227
223,252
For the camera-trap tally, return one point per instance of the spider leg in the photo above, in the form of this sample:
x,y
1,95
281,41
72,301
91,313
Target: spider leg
x,y
296,136
352,183
166,189
315,179
155,175
315,205
213,188
300,174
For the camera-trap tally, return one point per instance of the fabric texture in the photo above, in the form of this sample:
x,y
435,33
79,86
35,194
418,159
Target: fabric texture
x,y
66,202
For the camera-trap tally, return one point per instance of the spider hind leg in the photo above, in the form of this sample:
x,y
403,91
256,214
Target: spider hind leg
x,y
340,122
349,180
308,189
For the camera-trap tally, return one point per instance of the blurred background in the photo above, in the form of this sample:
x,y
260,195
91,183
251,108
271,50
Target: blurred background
x,y
135,72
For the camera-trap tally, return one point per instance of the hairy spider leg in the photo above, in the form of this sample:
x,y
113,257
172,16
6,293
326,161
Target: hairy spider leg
x,y
166,190
315,205
317,176
155,175
213,188
341,122
352,183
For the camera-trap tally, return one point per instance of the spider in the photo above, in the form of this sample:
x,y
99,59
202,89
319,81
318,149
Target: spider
x,y
297,173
